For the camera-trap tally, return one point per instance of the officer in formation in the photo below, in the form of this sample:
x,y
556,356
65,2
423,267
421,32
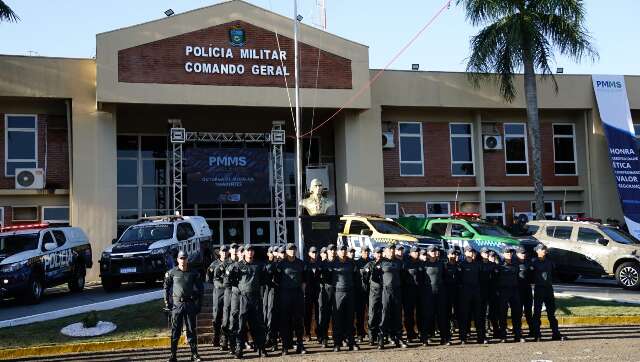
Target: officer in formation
x,y
183,292
543,270
215,275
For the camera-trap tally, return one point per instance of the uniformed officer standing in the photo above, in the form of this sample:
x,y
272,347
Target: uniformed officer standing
x,y
391,324
226,314
470,296
362,294
543,269
414,295
215,275
452,287
372,276
311,293
525,279
436,307
234,319
508,297
248,276
487,274
183,292
343,274
270,300
327,295
290,275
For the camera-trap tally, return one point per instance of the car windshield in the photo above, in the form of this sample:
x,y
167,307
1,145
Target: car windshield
x,y
147,233
388,227
619,236
490,230
13,244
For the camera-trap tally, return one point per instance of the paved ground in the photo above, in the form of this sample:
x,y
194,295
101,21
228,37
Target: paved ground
x,y
599,288
601,343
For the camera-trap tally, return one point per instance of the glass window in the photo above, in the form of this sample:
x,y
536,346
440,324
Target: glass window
x,y
560,232
549,210
55,214
388,227
411,153
21,135
436,209
636,128
391,209
147,233
127,172
461,149
47,239
13,244
586,235
356,227
29,213
515,149
495,212
619,236
128,198
154,197
439,228
127,146
564,142
153,146
154,172
59,236
457,229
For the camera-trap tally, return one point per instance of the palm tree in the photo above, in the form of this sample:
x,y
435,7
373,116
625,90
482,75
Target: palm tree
x,y
6,14
522,35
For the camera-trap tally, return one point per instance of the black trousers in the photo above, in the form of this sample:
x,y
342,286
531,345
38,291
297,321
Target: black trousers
x,y
526,299
470,304
509,298
234,319
494,310
326,301
437,314
226,315
343,312
291,315
270,308
375,312
410,303
311,309
452,296
218,311
360,305
250,318
391,324
184,313
544,295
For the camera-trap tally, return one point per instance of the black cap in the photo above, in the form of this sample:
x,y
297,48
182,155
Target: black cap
x,y
313,249
415,249
423,252
366,248
182,254
453,251
224,248
323,249
281,249
342,247
233,246
379,249
521,250
492,253
390,246
484,249
469,248
508,250
331,247
248,247
352,249
399,246
541,246
270,249
432,247
240,248
291,246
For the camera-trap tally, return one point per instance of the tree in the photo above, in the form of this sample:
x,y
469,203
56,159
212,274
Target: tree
x,y
6,14
523,35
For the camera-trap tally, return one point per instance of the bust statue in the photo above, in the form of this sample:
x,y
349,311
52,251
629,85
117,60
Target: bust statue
x,y
316,203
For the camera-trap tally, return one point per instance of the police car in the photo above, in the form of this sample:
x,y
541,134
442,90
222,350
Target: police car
x,y
147,249
35,257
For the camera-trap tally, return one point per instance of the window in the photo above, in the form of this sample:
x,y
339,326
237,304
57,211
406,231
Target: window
x,y
59,236
437,209
46,239
549,210
411,149
439,228
356,227
184,231
495,212
532,229
560,232
586,235
461,139
1,216
21,142
636,128
26,213
55,214
515,149
391,209
564,149
457,230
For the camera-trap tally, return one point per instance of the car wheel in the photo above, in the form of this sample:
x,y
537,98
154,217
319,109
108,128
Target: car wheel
x,y
35,291
110,284
628,275
77,282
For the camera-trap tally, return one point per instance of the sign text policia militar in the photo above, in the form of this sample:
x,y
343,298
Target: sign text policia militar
x,y
225,57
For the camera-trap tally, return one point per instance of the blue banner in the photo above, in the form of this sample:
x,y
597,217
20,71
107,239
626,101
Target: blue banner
x,y
227,175
611,94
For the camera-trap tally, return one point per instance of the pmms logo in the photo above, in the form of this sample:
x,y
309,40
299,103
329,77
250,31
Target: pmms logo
x,y
227,161
609,84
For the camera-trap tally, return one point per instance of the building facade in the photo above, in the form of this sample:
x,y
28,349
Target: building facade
x,y
411,143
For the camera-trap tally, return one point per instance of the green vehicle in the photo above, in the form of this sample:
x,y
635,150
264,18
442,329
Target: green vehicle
x,y
462,229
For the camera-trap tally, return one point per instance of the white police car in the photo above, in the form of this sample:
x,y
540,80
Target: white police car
x,y
147,249
35,257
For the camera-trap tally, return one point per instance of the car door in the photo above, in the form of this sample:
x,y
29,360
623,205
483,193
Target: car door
x,y
562,249
355,238
55,262
455,234
187,240
594,257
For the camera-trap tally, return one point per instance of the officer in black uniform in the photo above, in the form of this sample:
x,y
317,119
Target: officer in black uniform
x,y
183,292
234,315
452,287
290,275
215,275
362,294
414,295
226,313
494,302
470,296
327,295
543,269
487,273
525,279
391,324
248,276
311,292
508,297
372,277
343,273
270,300
436,297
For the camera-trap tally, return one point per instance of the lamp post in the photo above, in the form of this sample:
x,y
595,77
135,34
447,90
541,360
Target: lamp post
x,y
296,20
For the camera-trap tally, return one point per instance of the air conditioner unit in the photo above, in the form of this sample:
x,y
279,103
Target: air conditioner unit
x,y
492,142
387,140
29,178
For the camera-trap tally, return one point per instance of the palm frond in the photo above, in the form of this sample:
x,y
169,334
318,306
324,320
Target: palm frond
x,y
480,11
6,14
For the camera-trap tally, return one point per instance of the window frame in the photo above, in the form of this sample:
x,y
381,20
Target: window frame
x,y
636,133
526,148
54,221
595,242
6,143
575,151
400,162
471,138
553,208
2,214
397,207
13,214
438,203
503,214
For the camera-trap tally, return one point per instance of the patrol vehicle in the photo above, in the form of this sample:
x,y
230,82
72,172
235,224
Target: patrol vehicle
x,y
147,249
39,256
360,230
590,249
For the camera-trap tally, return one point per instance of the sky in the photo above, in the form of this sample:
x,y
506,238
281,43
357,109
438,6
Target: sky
x,y
67,29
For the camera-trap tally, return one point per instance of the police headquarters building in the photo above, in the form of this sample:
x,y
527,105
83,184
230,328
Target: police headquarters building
x,y
92,135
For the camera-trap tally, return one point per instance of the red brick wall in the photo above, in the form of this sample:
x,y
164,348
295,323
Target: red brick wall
x,y
52,140
163,61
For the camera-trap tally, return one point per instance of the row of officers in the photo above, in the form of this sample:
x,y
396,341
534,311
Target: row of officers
x,y
433,296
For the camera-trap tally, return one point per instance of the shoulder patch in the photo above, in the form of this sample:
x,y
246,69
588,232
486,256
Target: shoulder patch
x,y
166,275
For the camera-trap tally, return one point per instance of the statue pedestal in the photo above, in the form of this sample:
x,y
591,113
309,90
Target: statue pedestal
x,y
319,231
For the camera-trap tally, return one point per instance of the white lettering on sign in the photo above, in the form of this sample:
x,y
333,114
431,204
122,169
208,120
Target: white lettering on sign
x,y
265,70
227,161
58,259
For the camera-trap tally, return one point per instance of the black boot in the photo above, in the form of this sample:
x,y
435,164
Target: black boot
x,y
239,353
262,352
173,358
174,352
300,348
381,342
195,357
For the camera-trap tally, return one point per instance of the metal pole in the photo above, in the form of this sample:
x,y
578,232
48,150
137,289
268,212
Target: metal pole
x,y
298,133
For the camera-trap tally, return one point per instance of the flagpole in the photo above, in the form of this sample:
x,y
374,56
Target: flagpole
x,y
298,133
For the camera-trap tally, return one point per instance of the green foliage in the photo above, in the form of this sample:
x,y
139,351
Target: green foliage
x,y
6,14
90,320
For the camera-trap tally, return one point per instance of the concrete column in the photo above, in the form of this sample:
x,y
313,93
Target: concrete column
x,y
359,167
93,201
479,151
